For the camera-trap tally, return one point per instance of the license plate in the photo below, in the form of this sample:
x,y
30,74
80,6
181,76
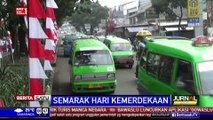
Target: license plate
x,y
95,86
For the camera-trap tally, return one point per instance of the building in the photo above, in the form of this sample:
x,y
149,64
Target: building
x,y
139,15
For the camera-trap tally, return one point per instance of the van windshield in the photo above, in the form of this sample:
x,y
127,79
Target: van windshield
x,y
205,70
94,57
121,47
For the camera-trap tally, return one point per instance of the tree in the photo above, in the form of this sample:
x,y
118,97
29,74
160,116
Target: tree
x,y
7,12
13,22
167,7
88,13
66,8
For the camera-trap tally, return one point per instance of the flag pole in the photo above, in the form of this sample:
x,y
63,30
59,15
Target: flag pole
x,y
28,36
44,80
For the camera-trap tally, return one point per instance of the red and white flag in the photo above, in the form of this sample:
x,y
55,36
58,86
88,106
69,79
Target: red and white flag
x,y
50,45
36,10
37,72
36,49
51,4
10,43
1,51
36,30
47,65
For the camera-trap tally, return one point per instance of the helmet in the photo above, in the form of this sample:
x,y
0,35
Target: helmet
x,y
143,33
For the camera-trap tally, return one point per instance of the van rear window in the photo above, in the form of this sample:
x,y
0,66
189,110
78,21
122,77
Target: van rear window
x,y
93,57
121,47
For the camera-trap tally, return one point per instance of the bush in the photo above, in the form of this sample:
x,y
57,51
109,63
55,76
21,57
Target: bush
x,y
13,83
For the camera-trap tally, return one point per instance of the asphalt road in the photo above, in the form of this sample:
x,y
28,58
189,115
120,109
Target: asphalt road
x,y
61,84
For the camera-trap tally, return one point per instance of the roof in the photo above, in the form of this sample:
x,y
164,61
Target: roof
x,y
182,49
89,44
170,23
176,28
166,37
114,39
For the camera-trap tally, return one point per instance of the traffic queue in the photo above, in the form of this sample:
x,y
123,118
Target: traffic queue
x,y
165,65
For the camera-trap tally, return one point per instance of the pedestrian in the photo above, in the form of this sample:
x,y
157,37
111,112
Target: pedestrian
x,y
140,41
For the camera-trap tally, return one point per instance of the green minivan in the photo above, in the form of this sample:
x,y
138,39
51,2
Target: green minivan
x,y
92,67
121,50
177,67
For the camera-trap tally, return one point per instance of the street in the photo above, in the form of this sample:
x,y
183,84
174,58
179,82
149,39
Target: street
x,y
126,81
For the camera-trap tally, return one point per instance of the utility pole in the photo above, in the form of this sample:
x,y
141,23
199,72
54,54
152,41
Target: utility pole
x,y
199,29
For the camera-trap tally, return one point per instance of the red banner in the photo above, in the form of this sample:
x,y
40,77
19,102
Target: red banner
x,y
21,11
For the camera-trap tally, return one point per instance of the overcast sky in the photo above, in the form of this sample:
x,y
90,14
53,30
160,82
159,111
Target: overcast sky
x,y
112,3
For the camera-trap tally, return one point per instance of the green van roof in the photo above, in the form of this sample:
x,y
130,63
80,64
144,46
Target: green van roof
x,y
89,44
114,39
182,49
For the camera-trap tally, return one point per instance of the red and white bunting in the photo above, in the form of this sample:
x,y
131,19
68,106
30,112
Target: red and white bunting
x,y
50,13
51,4
1,51
36,50
10,43
37,71
36,30
50,31
49,45
36,10
47,65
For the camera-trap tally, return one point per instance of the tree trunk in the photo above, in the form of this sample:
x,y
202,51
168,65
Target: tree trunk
x,y
91,29
84,29
21,38
180,18
14,32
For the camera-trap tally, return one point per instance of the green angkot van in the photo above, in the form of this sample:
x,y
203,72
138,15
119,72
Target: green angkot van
x,y
121,50
177,67
92,67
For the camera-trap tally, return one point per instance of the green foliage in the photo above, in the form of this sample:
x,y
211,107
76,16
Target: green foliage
x,y
13,83
65,9
166,7
88,13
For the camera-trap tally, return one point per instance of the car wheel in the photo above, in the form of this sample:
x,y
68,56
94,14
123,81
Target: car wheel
x,y
130,66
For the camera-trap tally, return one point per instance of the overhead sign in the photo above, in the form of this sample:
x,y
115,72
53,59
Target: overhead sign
x,y
21,11
193,13
193,8
193,22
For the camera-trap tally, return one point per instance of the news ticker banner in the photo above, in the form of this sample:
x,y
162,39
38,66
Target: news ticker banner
x,y
115,100
24,112
155,112
162,112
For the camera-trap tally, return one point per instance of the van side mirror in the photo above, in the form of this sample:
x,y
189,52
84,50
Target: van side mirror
x,y
180,84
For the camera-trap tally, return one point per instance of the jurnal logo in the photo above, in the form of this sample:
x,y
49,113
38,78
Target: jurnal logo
x,y
190,100
42,97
